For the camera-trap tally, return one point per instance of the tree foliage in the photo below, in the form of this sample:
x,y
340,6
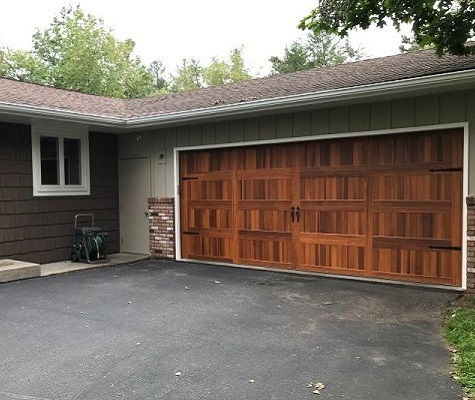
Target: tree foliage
x,y
23,66
188,76
445,24
159,80
408,44
191,75
77,52
316,51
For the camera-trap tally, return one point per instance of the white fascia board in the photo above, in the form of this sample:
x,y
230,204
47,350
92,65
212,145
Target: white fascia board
x,y
441,81
23,110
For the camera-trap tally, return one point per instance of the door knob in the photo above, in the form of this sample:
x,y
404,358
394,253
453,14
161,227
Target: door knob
x,y
146,213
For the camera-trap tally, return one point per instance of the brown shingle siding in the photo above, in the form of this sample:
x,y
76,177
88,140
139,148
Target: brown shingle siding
x,y
40,229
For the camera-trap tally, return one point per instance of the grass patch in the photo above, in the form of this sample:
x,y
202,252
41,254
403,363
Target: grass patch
x,y
460,334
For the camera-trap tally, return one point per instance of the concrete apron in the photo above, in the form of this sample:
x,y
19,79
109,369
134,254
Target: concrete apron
x,y
13,270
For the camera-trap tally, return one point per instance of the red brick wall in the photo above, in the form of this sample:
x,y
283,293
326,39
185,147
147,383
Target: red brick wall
x,y
470,246
161,215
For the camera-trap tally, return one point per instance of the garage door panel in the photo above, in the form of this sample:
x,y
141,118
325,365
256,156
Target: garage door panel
x,y
264,234
332,258
275,220
419,185
340,222
332,254
205,162
266,188
415,202
265,158
209,218
202,247
260,249
424,225
344,152
208,188
263,201
436,147
345,187
416,265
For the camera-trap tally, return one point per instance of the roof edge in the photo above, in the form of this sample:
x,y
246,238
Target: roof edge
x,y
443,81
26,110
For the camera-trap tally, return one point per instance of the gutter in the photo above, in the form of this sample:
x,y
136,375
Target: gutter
x,y
24,110
441,81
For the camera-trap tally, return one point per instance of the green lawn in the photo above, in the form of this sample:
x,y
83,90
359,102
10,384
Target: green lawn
x,y
460,334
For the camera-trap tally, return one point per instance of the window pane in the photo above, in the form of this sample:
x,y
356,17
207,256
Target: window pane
x,y
72,161
49,160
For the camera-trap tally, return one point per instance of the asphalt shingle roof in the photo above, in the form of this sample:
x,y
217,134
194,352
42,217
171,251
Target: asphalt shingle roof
x,y
360,73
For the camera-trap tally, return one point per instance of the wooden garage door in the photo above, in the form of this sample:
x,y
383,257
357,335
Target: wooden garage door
x,y
387,207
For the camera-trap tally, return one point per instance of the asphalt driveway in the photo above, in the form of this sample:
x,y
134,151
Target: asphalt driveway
x,y
166,330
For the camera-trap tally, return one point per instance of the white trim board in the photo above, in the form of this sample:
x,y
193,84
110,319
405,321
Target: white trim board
x,y
391,131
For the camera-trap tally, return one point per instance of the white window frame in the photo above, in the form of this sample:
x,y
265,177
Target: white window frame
x,y
61,132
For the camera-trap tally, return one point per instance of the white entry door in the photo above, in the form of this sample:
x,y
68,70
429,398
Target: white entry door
x,y
134,191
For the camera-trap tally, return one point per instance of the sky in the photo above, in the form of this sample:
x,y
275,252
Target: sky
x,y
170,30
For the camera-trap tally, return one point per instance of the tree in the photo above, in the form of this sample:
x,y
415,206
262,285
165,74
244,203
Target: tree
x,y
191,75
216,73
409,44
157,70
316,51
22,66
188,76
238,70
77,52
445,24
219,71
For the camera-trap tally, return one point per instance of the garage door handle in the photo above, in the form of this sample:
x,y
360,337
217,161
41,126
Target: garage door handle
x,y
292,213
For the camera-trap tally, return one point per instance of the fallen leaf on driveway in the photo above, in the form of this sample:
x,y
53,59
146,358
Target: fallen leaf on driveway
x,y
251,380
319,386
178,373
316,386
217,282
